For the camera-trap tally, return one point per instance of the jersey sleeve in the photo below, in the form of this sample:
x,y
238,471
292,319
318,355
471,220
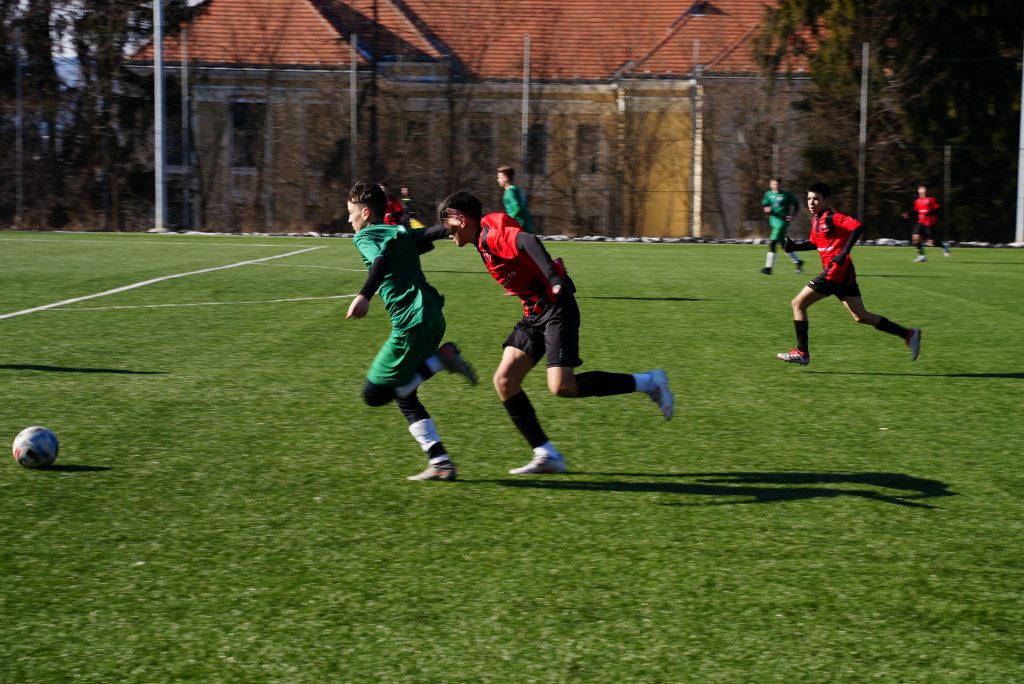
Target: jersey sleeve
x,y
371,244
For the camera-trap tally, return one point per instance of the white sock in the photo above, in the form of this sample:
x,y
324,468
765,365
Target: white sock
x,y
425,433
644,382
793,257
547,449
434,364
438,460
769,260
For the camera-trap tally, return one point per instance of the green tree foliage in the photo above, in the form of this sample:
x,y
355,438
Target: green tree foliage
x,y
942,73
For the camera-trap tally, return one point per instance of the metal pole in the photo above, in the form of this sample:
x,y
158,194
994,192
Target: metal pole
x,y
525,125
19,141
947,158
158,113
1020,167
186,157
863,138
353,83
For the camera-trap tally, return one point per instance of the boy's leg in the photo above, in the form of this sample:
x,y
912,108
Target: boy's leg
x,y
564,383
801,354
918,244
508,382
421,427
910,336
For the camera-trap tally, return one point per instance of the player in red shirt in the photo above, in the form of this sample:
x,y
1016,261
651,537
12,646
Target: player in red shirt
x,y
927,226
549,327
834,235
394,212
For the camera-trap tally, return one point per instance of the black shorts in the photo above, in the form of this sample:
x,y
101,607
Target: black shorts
x,y
555,332
930,233
848,287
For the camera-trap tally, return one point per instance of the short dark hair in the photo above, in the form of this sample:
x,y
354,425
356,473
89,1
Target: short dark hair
x,y
508,171
372,196
777,179
463,201
821,189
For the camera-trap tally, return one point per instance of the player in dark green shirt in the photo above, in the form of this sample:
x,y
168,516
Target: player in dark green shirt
x,y
513,198
411,354
781,207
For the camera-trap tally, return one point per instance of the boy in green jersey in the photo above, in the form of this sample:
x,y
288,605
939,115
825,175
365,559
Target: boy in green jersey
x,y
781,207
513,198
411,354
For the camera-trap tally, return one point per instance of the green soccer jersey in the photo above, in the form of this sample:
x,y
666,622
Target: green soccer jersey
x,y
515,206
407,296
782,204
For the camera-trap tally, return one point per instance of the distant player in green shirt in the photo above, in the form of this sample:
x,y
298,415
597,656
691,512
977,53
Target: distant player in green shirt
x,y
513,199
411,354
781,207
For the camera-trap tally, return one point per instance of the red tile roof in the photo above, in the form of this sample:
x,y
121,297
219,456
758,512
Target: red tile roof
x,y
570,39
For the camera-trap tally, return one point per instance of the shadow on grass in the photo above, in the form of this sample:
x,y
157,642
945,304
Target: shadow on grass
x,y
777,487
65,369
1010,376
646,299
71,468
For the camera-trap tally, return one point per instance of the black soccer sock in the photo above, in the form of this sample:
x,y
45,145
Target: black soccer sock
x,y
520,410
920,247
602,384
885,325
801,335
412,408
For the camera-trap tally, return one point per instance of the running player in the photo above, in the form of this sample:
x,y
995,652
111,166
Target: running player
x,y
549,327
834,235
411,354
781,208
927,226
513,199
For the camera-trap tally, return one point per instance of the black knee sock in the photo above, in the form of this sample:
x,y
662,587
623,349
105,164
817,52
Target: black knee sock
x,y
885,325
920,247
520,410
412,408
602,384
801,335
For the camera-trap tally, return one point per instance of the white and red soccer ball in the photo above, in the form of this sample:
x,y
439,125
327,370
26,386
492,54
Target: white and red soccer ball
x,y
35,447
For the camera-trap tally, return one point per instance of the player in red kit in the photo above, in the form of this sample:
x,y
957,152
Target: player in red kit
x,y
549,327
834,235
927,226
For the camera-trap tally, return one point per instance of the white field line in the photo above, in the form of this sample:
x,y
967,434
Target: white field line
x,y
172,306
151,281
154,243
329,268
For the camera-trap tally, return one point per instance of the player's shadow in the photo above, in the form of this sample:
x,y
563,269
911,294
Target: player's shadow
x,y
1008,376
645,299
71,468
753,487
70,369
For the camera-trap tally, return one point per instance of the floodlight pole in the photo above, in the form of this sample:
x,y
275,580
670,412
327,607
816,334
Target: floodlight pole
x,y
863,137
525,125
158,114
19,141
1020,167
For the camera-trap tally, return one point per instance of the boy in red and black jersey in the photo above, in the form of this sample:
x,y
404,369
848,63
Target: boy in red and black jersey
x,y
927,226
549,327
834,235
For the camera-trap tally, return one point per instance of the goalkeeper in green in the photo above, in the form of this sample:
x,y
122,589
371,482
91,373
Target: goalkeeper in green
x,y
781,207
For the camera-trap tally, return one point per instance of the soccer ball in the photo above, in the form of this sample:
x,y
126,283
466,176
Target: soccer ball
x,y
35,447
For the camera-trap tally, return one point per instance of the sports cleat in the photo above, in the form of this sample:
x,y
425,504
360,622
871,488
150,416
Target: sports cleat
x,y
914,342
541,465
799,266
920,258
766,270
794,356
453,362
946,253
443,472
661,395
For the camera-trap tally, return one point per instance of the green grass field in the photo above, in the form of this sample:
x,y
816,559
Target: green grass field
x,y
226,509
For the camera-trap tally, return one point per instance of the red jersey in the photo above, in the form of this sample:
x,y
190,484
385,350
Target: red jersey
x,y
527,276
393,212
926,208
830,232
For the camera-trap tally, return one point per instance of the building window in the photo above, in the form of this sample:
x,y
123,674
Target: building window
x,y
588,147
247,123
536,149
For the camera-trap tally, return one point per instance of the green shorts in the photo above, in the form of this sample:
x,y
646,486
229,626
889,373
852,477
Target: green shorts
x,y
405,351
778,232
